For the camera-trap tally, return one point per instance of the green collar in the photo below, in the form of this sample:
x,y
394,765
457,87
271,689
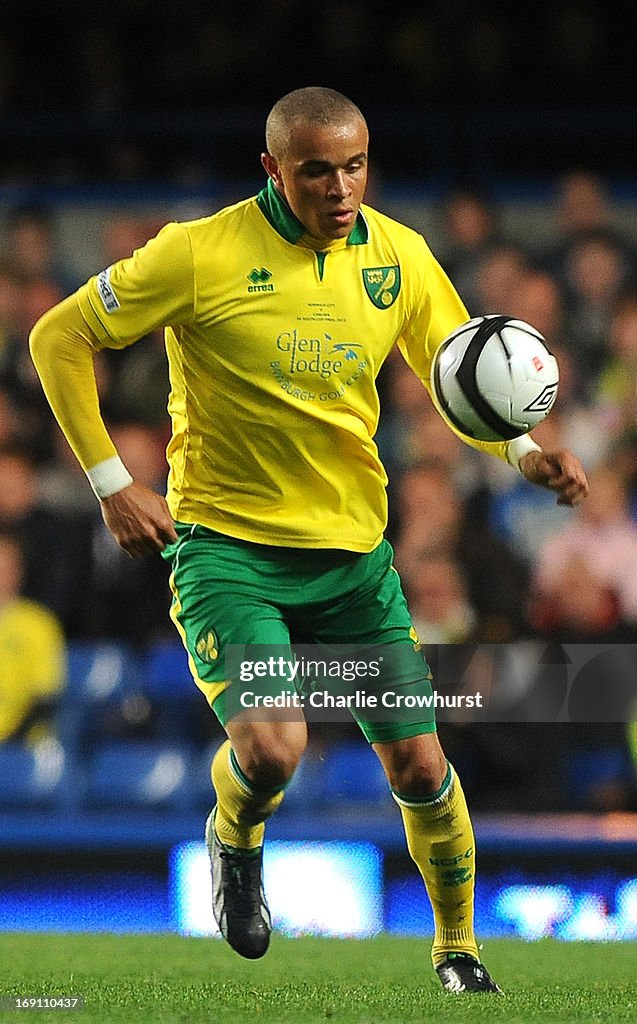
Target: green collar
x,y
279,215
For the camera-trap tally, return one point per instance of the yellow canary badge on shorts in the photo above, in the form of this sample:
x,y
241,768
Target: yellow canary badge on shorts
x,y
207,646
413,636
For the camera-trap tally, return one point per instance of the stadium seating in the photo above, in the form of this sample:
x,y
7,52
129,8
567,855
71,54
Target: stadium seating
x,y
99,677
100,672
165,673
307,790
353,774
33,777
138,774
592,773
202,794
102,764
179,709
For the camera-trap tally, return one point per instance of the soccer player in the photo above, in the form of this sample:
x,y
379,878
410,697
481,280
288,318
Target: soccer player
x,y
278,314
32,654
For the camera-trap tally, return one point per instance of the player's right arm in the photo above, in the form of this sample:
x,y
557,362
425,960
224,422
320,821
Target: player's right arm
x,y
151,288
62,348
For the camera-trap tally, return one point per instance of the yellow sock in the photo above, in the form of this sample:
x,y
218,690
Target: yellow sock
x,y
241,807
440,841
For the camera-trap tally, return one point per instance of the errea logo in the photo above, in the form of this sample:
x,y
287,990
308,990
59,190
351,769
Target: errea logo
x,y
260,280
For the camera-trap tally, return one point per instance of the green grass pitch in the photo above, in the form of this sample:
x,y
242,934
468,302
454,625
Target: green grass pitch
x,y
166,978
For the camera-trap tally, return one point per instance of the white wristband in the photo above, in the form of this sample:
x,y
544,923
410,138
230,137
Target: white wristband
x,y
109,477
519,447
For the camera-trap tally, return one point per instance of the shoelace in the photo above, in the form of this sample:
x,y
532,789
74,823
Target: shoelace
x,y
245,882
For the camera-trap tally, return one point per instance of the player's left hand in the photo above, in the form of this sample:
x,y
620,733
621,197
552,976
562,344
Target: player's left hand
x,y
560,471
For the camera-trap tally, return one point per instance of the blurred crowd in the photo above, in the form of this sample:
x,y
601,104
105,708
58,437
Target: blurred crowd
x,y
132,91
200,53
484,556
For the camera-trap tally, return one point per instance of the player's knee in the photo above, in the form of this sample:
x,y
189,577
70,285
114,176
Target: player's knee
x,y
414,767
272,759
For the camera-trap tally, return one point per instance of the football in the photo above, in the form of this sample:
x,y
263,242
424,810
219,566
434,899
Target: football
x,y
494,379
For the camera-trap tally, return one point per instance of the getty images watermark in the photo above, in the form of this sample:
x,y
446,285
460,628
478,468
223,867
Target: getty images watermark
x,y
348,671
526,681
50,1001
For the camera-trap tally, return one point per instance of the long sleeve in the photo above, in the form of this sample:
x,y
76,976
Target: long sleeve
x,y
153,287
62,348
438,311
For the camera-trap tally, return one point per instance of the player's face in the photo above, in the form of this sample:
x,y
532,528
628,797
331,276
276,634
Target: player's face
x,y
323,176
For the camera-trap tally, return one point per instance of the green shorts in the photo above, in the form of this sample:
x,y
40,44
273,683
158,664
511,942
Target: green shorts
x,y
233,596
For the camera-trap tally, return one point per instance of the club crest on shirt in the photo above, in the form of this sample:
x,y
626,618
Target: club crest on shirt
x,y
382,285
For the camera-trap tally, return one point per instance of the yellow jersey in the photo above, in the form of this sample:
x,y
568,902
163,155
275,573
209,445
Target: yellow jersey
x,y
274,346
